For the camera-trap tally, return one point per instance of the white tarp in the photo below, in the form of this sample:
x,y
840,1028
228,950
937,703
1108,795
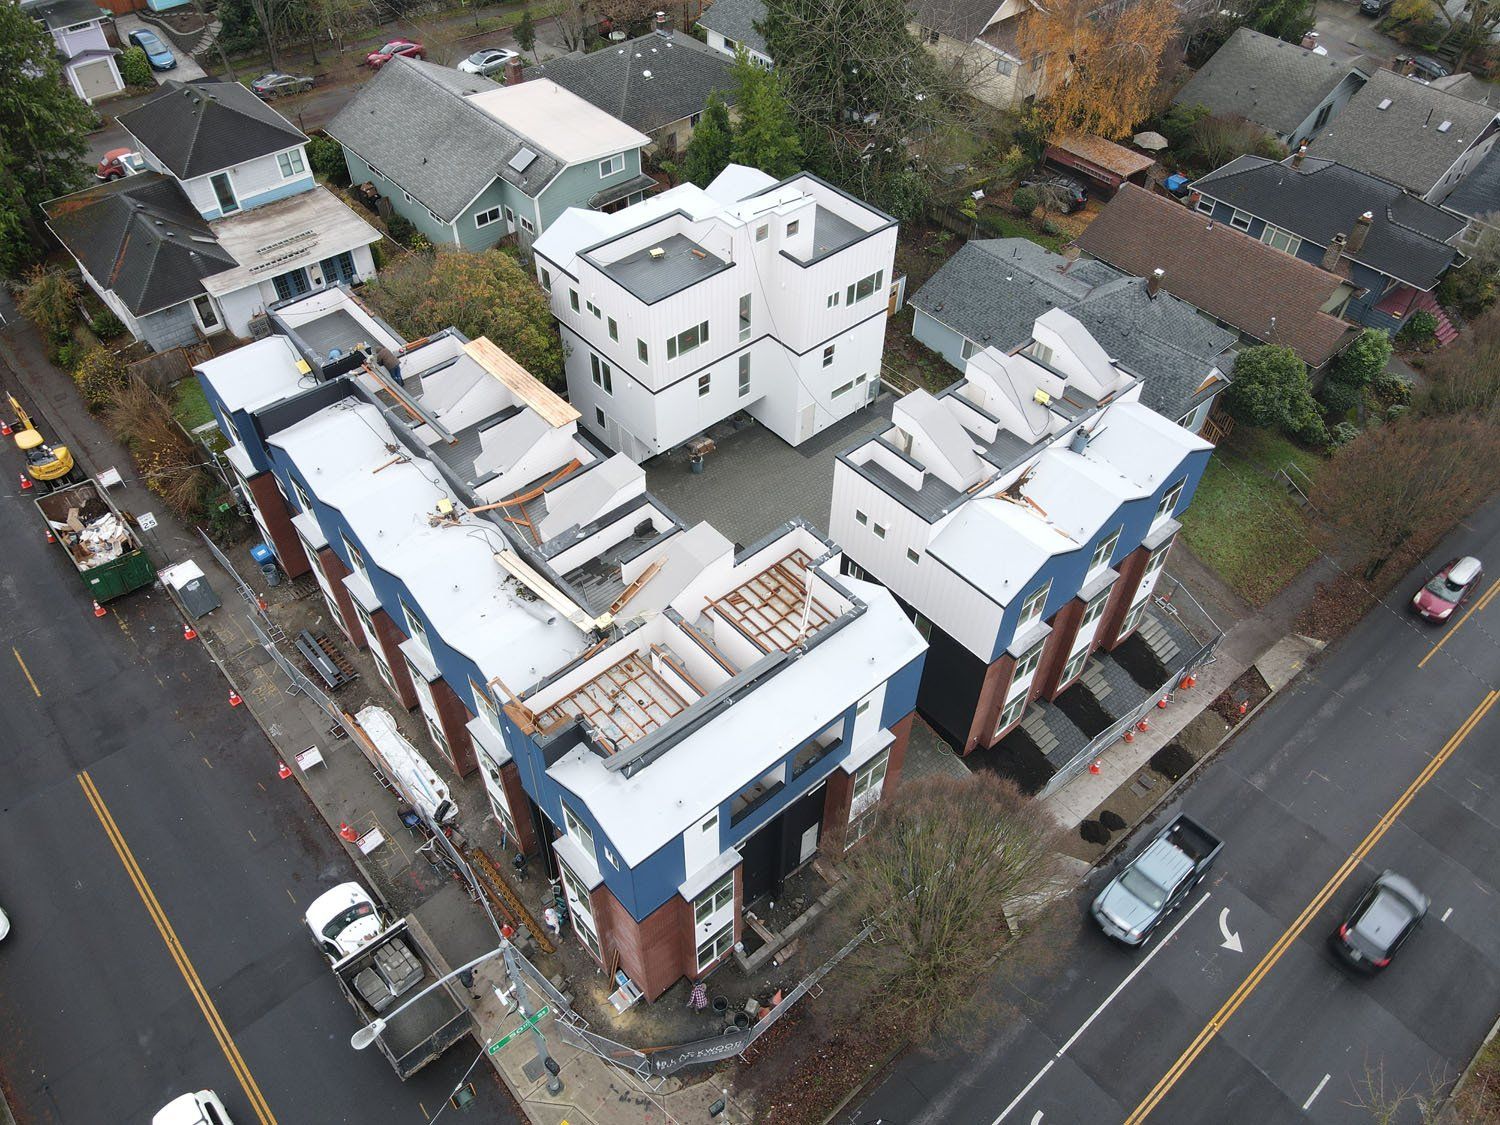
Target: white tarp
x,y
407,768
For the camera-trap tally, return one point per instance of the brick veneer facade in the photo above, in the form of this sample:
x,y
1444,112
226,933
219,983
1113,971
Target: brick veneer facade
x,y
1131,567
454,718
515,800
1055,655
390,638
992,695
334,570
272,507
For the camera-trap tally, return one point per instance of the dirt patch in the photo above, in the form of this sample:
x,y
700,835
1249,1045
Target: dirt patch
x,y
801,1071
1240,698
1084,711
1335,608
1172,761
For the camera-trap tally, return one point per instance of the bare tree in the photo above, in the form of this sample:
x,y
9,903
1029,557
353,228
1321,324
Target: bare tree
x,y
1469,25
1388,1102
943,878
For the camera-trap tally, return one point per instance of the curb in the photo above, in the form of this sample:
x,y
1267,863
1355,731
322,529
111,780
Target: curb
x,y
874,1075
1446,1114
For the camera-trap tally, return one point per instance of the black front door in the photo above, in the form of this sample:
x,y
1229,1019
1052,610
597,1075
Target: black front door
x,y
776,850
762,862
798,838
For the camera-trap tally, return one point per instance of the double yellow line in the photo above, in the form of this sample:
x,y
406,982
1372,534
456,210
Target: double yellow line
x,y
1320,900
1484,600
179,955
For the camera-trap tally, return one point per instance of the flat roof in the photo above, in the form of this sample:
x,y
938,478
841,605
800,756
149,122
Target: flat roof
x,y
572,128
277,237
257,374
650,276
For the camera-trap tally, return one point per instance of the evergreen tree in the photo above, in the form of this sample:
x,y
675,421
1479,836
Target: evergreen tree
x,y
711,146
526,33
766,137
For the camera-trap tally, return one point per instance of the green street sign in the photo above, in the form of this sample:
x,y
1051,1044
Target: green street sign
x,y
526,1025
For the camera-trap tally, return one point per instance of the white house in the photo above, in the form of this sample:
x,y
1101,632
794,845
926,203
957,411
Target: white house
x,y
228,220
751,295
730,25
88,60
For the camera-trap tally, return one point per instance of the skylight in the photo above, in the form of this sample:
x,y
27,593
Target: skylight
x,y
522,159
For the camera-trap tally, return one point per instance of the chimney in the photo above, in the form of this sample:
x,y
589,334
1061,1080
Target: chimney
x,y
1310,40
662,28
1301,152
1361,229
514,72
1334,252
1153,283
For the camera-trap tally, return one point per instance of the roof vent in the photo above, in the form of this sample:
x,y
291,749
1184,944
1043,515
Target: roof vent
x,y
656,253
1041,396
645,74
1445,126
1385,103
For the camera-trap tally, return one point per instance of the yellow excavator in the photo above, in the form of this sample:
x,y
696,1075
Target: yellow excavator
x,y
51,466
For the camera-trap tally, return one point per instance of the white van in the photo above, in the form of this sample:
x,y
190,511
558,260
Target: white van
x,y
202,1108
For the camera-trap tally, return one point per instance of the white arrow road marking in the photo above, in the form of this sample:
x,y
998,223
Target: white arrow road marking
x,y
1037,1118
1231,939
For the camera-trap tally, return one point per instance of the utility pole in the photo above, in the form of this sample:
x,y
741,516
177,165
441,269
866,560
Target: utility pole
x,y
523,1003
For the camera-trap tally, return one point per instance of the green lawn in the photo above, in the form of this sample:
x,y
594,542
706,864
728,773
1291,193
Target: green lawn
x,y
1243,524
188,404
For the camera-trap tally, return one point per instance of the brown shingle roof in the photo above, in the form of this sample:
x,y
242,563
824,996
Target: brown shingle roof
x,y
1105,154
1227,274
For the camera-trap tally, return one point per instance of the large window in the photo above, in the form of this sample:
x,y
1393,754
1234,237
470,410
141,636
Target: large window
x,y
603,376
612,165
713,900
686,340
1028,662
1157,560
1011,713
1169,499
493,215
291,284
578,832
863,287
1074,665
224,193
414,627
1104,551
1278,239
1133,618
356,558
871,775
716,946
291,163
485,706
1032,607
1095,607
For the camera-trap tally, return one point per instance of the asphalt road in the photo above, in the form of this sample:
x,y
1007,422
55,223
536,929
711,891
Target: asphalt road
x,y
1114,1035
97,1020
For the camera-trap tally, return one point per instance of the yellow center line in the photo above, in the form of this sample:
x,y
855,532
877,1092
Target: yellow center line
x,y
1295,930
179,954
1483,601
27,672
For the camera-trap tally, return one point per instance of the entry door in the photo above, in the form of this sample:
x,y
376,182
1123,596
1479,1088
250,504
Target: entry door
x,y
762,863
809,845
806,421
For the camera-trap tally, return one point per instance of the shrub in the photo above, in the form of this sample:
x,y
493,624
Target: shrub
x,y
326,156
1339,398
1391,389
167,458
66,355
107,326
134,68
1342,434
1024,200
400,229
1419,330
1363,360
1468,291
48,297
1270,389
100,376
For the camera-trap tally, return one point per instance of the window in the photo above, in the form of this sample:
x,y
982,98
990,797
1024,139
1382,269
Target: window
x,y
485,218
294,283
1169,501
969,349
1104,552
593,308
879,530
526,225
611,165
641,351
602,374
1204,206
224,193
863,287
924,626
1031,608
843,388
744,374
1240,220
414,627
1011,713
1157,560
573,299
1039,351
356,560
339,268
1095,607
601,420
871,775
578,831
291,163
1073,666
304,501
614,329
716,946
585,931
861,518
485,707
704,382
578,895
510,216
208,316
686,340
912,556
1278,239
716,898
1005,67
745,317
833,301
793,227
1133,618
693,119
1028,662
761,232
864,705
546,280
828,356
1323,114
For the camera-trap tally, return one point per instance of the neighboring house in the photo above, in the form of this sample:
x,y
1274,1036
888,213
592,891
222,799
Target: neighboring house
x,y
468,162
1263,294
228,221
1023,515
1105,165
667,725
981,39
1388,243
990,293
1288,90
1477,198
1412,134
753,295
732,24
88,60
658,83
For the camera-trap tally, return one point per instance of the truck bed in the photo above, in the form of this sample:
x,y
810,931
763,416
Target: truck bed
x,y
1195,841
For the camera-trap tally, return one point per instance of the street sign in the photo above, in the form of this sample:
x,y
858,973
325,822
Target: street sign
x,y
526,1025
147,520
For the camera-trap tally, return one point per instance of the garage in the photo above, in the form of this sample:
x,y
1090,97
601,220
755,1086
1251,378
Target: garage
x,y
96,79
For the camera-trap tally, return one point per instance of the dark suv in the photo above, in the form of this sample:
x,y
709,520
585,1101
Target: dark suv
x,y
1067,194
1384,918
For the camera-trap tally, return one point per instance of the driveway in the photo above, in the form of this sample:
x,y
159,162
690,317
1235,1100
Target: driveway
x,y
187,70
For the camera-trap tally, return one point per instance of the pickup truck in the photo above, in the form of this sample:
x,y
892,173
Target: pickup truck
x,y
99,544
1156,881
376,965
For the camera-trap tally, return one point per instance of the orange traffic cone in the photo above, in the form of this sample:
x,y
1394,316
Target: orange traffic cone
x,y
1143,726
50,537
1095,766
1244,707
25,482
99,610
1187,682
5,428
283,771
234,698
188,632
1162,703
348,833
1130,736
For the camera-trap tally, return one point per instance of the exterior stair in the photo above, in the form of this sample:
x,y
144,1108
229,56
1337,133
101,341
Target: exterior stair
x,y
1034,723
1093,679
1158,640
1446,333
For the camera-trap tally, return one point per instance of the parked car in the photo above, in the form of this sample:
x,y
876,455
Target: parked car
x,y
1375,7
157,52
275,85
1067,194
379,58
1157,881
1448,589
1429,68
1381,921
490,60
202,1108
4,925
118,163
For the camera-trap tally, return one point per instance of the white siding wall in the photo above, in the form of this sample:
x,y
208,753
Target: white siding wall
x,y
251,179
243,305
89,38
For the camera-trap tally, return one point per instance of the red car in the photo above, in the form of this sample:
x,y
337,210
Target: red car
x,y
1448,589
118,163
378,59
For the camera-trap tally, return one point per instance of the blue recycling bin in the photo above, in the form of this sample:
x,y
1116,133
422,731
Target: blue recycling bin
x,y
265,558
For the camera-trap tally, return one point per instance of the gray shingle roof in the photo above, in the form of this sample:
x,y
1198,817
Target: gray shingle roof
x,y
646,82
64,13
961,19
462,149
205,127
1404,142
1478,193
1408,239
737,20
993,290
1265,80
141,237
